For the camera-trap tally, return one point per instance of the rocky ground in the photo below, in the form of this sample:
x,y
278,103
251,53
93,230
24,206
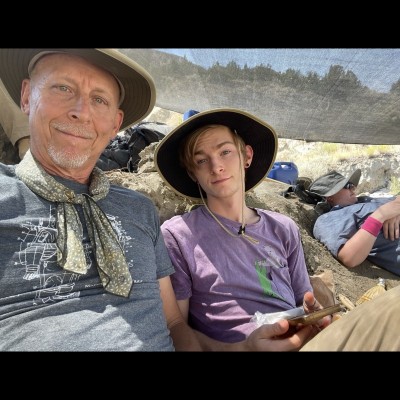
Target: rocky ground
x,y
350,283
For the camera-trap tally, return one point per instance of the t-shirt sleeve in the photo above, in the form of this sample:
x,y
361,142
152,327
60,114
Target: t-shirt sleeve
x,y
164,266
181,279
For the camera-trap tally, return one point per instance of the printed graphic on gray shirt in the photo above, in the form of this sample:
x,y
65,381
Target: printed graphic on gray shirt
x,y
38,256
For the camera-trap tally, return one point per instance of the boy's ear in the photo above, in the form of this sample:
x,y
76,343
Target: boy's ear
x,y
249,153
191,176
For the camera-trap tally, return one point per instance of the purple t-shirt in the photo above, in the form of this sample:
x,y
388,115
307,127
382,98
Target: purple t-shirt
x,y
228,279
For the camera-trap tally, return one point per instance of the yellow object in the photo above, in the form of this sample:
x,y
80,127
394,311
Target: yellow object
x,y
346,302
373,292
335,317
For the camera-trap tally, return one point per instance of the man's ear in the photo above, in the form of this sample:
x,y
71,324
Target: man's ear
x,y
118,122
25,92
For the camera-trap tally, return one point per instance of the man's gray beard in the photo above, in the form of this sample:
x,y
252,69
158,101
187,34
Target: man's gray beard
x,y
66,160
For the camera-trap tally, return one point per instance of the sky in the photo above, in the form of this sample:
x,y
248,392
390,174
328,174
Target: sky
x,y
376,68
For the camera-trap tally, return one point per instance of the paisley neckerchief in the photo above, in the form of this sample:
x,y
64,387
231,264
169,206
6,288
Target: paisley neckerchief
x,y
111,263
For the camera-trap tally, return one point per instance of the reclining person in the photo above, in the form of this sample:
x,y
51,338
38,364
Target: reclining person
x,y
358,228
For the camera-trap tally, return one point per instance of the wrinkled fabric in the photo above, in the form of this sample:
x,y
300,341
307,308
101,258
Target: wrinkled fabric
x,y
111,264
371,326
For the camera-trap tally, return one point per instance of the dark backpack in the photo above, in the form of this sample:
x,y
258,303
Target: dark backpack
x,y
301,190
123,151
140,137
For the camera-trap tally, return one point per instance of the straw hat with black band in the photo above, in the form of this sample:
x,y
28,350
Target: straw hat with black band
x,y
138,93
255,132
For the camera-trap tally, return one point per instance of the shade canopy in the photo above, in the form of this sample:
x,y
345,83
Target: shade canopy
x,y
324,95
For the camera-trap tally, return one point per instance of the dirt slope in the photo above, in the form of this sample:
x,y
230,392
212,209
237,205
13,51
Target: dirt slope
x,y
351,283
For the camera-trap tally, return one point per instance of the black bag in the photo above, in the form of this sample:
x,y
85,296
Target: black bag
x,y
123,151
301,190
140,137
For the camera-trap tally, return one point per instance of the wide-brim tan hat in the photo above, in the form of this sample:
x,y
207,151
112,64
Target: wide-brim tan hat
x,y
330,183
255,132
139,93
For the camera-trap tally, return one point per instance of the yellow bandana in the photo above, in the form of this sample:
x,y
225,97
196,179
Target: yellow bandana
x,y
111,263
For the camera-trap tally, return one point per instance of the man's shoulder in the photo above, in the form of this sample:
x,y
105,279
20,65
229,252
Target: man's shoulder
x,y
345,211
335,211
7,170
129,198
124,191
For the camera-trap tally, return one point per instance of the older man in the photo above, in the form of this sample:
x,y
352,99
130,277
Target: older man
x,y
83,263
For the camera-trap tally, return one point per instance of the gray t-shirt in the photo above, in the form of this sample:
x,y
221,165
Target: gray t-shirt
x,y
45,308
337,226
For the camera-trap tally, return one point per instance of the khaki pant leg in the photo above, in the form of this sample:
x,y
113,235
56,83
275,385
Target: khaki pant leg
x,y
371,326
12,119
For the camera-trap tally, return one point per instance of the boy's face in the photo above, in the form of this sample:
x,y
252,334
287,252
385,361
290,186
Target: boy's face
x,y
218,163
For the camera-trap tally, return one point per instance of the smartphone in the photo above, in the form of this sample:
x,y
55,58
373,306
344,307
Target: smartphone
x,y
313,317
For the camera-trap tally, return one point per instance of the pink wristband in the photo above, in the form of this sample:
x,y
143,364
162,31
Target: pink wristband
x,y
372,225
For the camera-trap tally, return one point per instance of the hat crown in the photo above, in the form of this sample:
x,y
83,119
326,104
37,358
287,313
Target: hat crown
x,y
136,83
255,132
330,183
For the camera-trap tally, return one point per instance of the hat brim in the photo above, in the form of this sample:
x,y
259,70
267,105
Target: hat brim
x,y
354,179
255,132
316,187
140,92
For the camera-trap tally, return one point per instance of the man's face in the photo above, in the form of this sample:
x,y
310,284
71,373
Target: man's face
x,y
344,197
73,112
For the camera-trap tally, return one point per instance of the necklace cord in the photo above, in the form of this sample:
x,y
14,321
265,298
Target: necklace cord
x,y
242,229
